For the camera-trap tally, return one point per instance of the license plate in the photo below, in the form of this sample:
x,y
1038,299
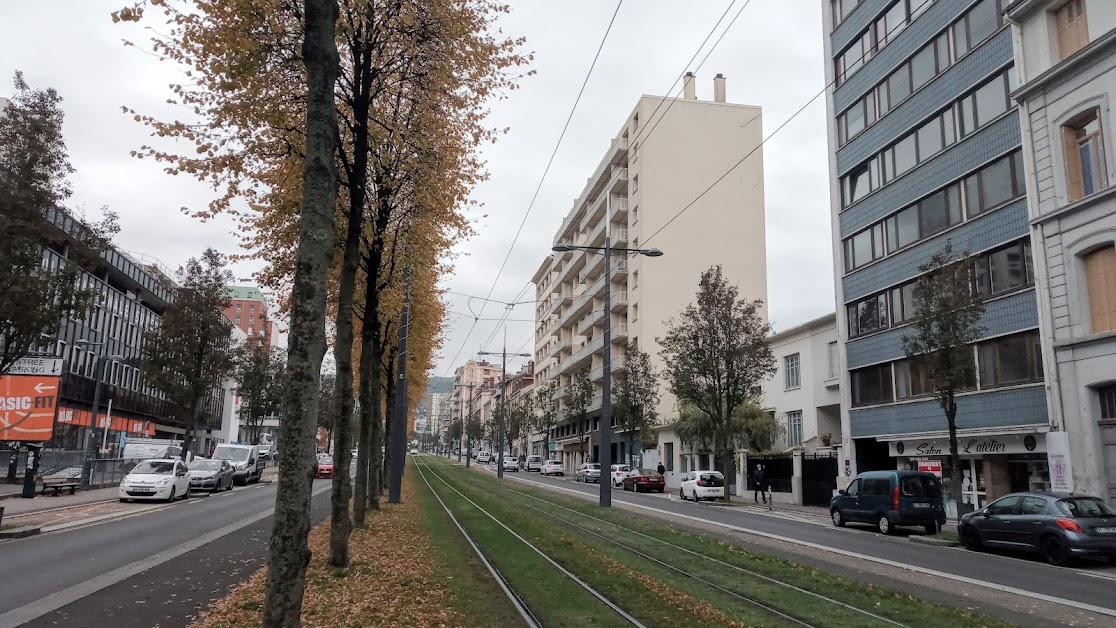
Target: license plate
x,y
1108,530
921,505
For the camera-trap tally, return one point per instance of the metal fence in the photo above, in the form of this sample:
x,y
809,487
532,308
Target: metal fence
x,y
779,469
51,461
819,478
110,470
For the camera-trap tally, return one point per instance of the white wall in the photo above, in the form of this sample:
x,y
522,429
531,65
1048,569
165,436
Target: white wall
x,y
811,342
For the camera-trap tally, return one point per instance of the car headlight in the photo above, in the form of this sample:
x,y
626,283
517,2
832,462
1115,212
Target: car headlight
x,y
164,481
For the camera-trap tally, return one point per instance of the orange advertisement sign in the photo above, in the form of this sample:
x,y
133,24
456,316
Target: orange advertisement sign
x,y
27,407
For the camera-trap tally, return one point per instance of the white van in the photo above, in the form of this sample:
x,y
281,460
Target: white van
x,y
248,464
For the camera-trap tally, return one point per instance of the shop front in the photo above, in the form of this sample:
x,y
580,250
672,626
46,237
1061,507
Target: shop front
x,y
992,465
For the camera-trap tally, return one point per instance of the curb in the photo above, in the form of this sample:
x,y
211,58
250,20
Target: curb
x,y
926,540
19,533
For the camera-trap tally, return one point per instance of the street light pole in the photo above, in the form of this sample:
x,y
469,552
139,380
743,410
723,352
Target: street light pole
x,y
399,419
605,459
503,399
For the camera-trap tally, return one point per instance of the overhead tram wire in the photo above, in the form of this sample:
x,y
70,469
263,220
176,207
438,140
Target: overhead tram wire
x,y
809,102
507,312
554,153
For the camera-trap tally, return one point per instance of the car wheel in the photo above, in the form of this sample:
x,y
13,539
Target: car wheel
x,y
662,490
171,498
696,498
1055,551
681,495
970,539
124,501
884,525
838,519
932,529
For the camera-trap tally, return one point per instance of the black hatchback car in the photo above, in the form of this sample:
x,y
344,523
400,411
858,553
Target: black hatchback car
x,y
890,499
1060,527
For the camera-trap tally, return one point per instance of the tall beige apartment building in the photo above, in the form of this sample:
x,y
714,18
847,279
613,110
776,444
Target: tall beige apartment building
x,y
665,155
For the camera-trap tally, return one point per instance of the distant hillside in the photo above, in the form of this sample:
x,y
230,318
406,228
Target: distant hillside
x,y
439,385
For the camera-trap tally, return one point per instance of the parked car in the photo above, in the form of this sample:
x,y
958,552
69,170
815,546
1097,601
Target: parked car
x,y
247,464
511,463
552,467
323,466
534,463
699,485
484,457
210,475
891,499
618,473
643,480
1060,527
159,479
588,472
475,454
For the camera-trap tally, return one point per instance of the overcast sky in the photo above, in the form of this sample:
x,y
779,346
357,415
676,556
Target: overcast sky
x,y
772,57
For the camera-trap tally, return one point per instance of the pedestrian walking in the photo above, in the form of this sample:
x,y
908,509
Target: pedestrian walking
x,y
661,469
759,477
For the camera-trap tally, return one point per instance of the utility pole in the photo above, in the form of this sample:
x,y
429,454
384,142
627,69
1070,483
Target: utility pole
x,y
399,418
465,429
503,402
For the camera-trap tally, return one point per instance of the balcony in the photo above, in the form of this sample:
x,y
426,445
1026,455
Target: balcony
x,y
580,356
589,320
619,331
620,268
582,302
619,301
558,346
556,300
619,180
619,207
619,237
590,266
617,364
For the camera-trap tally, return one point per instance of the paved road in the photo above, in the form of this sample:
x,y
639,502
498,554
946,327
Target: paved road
x,y
1078,586
158,567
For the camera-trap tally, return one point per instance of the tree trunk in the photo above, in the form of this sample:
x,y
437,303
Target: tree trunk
x,y
375,461
369,380
954,456
289,553
191,433
389,386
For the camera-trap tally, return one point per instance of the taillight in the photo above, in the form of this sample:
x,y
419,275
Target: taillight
x,y
895,498
701,482
642,480
1070,525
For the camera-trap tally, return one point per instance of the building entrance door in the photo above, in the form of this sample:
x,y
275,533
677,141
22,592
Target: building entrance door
x,y
1108,440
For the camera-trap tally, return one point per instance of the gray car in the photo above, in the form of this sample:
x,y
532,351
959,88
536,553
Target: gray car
x,y
210,475
1060,527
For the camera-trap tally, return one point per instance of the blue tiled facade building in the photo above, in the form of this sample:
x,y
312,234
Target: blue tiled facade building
x,y
926,149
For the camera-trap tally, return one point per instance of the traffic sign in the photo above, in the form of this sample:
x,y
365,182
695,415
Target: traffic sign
x,y
27,407
37,366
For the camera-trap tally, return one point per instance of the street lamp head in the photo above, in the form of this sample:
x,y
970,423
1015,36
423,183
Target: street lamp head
x,y
651,252
562,248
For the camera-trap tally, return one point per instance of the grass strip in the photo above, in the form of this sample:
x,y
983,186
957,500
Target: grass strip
x,y
897,606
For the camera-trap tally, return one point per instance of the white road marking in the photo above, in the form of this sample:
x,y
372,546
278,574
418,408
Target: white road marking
x,y
1101,610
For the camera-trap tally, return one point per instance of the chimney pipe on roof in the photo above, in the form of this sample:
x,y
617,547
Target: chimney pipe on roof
x,y
689,90
719,88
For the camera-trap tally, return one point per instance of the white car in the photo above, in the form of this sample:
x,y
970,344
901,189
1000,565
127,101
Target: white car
x,y
534,463
588,472
158,479
699,485
619,472
511,463
552,467
484,457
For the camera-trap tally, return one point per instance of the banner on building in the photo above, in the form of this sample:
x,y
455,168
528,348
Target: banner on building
x,y
1058,457
27,407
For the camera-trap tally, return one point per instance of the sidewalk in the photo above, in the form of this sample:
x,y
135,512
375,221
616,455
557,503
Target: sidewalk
x,y
18,506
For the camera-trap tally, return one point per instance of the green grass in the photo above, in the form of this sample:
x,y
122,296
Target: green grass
x,y
881,601
472,590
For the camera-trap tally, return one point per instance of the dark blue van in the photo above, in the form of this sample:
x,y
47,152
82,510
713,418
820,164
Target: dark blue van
x,y
891,498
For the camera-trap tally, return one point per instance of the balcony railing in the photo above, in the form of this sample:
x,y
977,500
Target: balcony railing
x,y
589,320
619,236
619,300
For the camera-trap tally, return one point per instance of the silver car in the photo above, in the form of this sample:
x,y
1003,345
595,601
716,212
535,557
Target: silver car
x,y
588,472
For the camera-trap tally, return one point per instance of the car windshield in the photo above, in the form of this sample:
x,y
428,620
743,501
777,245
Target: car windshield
x,y
919,486
648,472
623,467
230,453
554,462
205,465
594,466
325,460
154,467
713,479
1085,507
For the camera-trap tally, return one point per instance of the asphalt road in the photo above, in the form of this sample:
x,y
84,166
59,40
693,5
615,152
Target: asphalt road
x,y
159,567
1009,574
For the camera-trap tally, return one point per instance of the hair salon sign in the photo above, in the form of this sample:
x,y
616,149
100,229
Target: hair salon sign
x,y
971,446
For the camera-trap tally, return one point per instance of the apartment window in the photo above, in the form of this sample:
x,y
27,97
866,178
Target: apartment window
x,y
1107,396
871,385
842,9
864,247
635,215
980,22
238,308
1084,149
792,374
868,315
1010,360
635,121
995,184
1073,28
834,361
635,312
635,183
912,379
668,456
635,278
794,428
250,331
252,307
1004,269
1100,281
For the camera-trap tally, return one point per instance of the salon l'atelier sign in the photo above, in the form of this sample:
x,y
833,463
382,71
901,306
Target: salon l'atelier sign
x,y
970,446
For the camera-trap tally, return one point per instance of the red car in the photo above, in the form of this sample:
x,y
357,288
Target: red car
x,y
644,480
324,467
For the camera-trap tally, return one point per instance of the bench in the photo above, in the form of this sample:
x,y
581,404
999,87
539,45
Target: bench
x,y
58,483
